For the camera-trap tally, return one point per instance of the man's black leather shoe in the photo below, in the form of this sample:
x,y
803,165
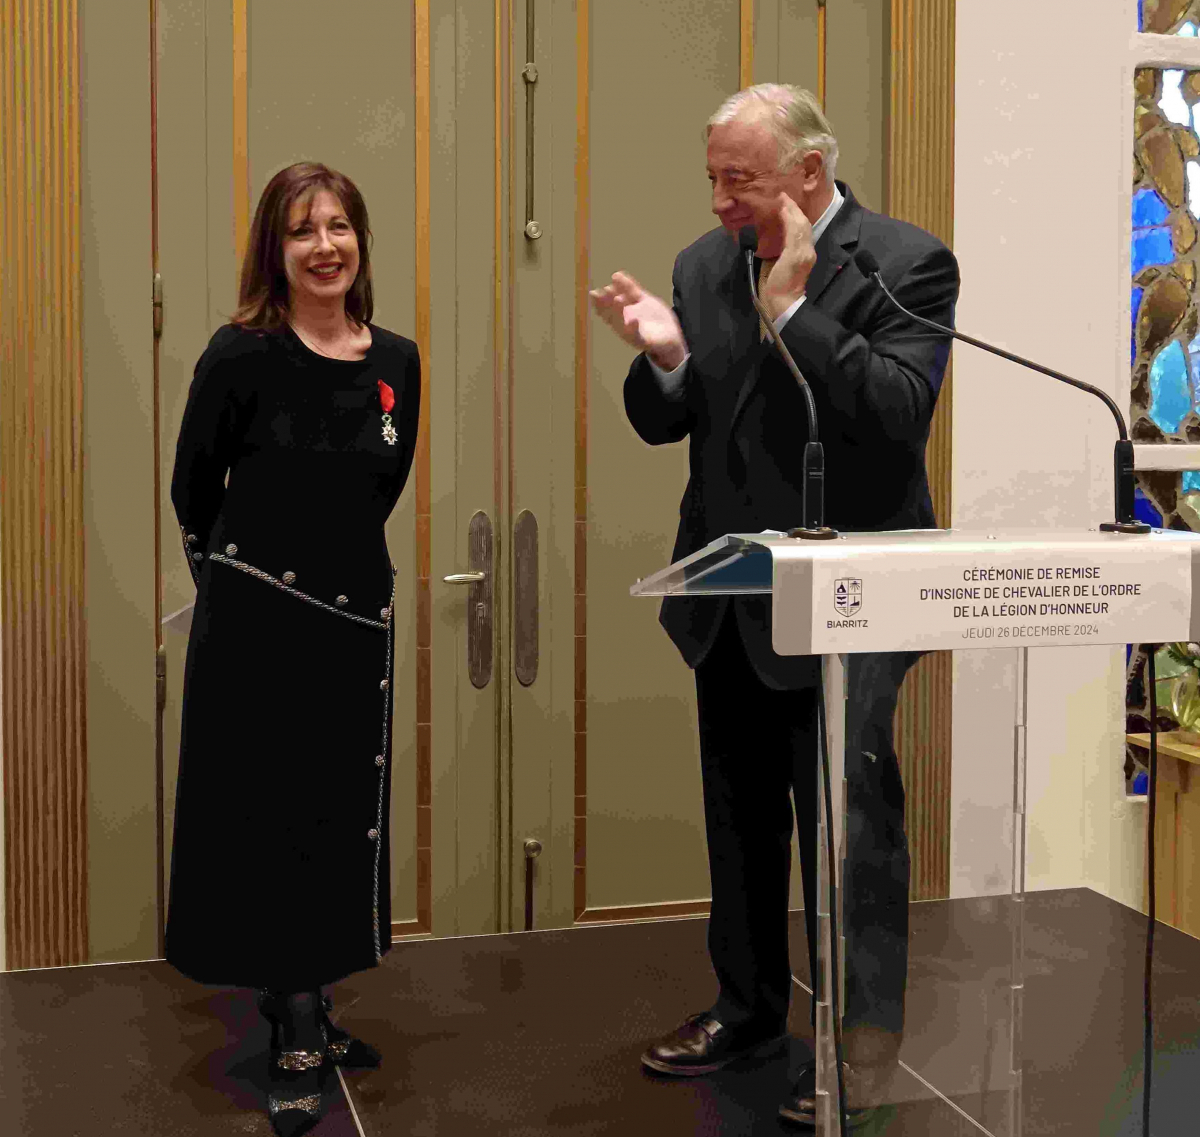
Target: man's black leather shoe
x,y
801,1105
702,1045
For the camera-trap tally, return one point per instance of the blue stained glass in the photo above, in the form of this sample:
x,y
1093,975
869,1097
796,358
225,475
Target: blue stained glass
x,y
1188,29
1149,209
1143,510
1152,247
1134,305
1191,481
1170,391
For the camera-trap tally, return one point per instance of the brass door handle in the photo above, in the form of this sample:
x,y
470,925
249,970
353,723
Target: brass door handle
x,y
479,599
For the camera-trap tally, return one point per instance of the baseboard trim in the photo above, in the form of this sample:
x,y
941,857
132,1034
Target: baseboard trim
x,y
639,913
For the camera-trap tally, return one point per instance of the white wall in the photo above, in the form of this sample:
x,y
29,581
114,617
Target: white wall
x,y
1043,107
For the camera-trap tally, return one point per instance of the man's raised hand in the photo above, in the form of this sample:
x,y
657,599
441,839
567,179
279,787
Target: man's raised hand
x,y
789,278
641,319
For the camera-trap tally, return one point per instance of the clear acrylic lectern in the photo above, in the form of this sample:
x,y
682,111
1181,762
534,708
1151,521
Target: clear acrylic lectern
x,y
947,971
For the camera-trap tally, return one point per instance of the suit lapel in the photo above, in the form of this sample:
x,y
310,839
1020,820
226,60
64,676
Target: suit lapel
x,y
836,246
834,249
830,262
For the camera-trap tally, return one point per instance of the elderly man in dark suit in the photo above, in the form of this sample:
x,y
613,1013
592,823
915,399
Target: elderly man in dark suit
x,y
707,373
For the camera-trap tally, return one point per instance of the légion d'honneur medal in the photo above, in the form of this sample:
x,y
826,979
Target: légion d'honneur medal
x,y
387,400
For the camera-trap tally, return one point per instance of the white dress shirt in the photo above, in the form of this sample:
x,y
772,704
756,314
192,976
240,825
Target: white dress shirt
x,y
671,382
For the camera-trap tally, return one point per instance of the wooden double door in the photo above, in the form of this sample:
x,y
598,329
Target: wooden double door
x,y
512,154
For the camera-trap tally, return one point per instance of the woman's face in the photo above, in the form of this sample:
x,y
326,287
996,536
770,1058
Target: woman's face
x,y
320,249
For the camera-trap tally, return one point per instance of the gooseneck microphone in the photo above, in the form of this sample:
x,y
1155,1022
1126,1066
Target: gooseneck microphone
x,y
812,482
812,505
1123,497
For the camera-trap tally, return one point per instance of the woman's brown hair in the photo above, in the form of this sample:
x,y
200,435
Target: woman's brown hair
x,y
263,293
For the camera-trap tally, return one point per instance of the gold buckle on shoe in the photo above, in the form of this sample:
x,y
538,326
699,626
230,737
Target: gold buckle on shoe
x,y
301,1059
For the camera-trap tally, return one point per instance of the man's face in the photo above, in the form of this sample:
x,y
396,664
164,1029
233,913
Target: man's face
x,y
746,182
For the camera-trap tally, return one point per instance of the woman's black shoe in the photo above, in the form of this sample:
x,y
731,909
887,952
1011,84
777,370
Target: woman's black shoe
x,y
294,1108
344,1050
294,1100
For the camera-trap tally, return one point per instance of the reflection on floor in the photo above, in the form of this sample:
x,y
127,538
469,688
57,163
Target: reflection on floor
x,y
530,1034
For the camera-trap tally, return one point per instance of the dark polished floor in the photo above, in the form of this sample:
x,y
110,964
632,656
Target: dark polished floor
x,y
536,1034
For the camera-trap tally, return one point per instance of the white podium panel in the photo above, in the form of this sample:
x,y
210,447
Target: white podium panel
x,y
947,590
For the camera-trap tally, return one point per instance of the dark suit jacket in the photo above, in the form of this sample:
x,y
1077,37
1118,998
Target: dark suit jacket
x,y
875,377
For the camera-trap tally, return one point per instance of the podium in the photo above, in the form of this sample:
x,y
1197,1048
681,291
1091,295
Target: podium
x,y
859,602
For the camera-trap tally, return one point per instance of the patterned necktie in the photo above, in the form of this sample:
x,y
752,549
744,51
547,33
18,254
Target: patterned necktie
x,y
764,270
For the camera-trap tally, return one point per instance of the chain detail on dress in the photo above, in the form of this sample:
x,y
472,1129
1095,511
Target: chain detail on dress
x,y
387,694
190,554
258,574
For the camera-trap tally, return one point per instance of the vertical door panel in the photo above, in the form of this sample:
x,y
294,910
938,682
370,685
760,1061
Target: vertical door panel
x,y
542,401
644,833
858,94
109,783
785,42
198,269
464,372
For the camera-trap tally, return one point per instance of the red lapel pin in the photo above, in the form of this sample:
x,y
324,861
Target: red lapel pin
x,y
387,400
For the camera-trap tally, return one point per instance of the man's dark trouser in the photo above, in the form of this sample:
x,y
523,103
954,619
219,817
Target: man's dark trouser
x,y
755,744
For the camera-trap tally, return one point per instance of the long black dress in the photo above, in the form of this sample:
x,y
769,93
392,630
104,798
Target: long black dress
x,y
280,865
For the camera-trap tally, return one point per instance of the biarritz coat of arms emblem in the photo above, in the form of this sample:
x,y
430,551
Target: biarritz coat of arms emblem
x,y
847,595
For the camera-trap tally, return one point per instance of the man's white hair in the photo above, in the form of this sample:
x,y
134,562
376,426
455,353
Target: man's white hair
x,y
792,114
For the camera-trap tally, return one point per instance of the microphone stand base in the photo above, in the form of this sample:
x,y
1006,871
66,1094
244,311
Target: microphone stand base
x,y
1134,527
822,533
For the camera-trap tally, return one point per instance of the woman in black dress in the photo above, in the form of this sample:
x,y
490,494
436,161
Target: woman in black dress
x,y
296,442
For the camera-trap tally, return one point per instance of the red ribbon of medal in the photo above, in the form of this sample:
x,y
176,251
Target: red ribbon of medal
x,y
387,400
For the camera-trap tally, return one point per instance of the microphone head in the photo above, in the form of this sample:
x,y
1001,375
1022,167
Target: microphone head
x,y
747,238
866,263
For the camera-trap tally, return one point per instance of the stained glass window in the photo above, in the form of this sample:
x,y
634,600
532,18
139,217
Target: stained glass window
x,y
1165,333
1169,17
